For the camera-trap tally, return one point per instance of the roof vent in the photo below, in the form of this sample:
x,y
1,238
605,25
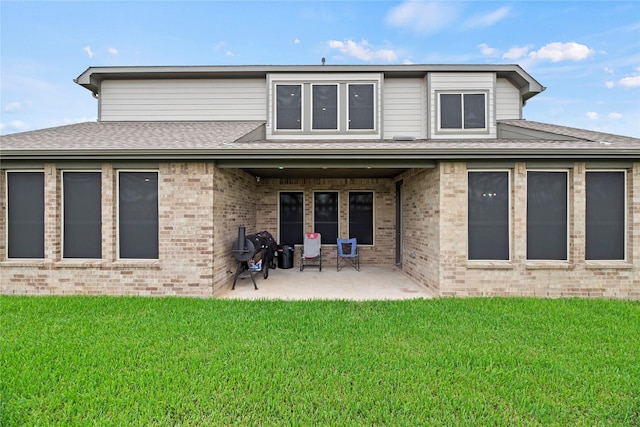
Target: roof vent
x,y
404,138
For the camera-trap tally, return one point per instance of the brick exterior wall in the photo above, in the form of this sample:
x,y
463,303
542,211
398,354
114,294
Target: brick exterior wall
x,y
201,208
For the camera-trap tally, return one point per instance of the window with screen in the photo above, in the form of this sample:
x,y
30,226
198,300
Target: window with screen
x,y
25,215
325,107
138,215
361,107
289,107
547,215
488,215
463,111
82,213
291,214
605,215
361,216
325,215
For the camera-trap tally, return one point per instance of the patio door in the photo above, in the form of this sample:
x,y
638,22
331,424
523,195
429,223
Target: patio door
x,y
399,223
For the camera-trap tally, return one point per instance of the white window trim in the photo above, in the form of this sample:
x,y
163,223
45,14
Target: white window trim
x,y
338,110
6,215
128,260
313,210
510,216
373,207
483,130
568,206
63,210
626,215
376,102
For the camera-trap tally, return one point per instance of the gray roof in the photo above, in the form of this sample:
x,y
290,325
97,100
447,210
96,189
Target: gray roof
x,y
245,140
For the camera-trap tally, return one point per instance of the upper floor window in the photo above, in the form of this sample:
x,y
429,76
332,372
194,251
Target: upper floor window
x,y
361,106
324,105
289,107
462,111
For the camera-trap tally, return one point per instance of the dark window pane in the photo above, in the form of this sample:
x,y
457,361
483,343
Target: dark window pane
x,y
488,215
547,215
138,216
474,111
605,216
361,106
82,215
325,216
361,217
450,111
288,107
25,214
325,107
291,218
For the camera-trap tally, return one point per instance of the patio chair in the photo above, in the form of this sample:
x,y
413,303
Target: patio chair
x,y
311,252
347,254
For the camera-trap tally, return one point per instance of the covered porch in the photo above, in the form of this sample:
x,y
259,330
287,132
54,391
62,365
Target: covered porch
x,y
370,283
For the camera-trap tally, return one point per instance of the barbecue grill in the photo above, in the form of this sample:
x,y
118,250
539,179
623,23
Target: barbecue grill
x,y
254,254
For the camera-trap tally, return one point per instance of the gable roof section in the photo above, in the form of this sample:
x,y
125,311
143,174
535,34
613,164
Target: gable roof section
x,y
535,130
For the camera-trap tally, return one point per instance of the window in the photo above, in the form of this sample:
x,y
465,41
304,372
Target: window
x,y
488,217
289,107
361,216
605,216
325,215
463,111
25,214
547,213
291,218
361,111
325,107
82,211
138,214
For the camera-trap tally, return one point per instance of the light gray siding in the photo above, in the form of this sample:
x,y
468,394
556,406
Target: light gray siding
x,y
404,107
183,100
461,82
508,105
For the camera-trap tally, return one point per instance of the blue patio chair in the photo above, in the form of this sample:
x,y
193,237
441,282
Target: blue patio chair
x,y
347,254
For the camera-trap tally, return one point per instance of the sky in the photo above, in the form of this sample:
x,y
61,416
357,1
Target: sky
x,y
586,53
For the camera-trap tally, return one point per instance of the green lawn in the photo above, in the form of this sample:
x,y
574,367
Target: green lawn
x,y
171,361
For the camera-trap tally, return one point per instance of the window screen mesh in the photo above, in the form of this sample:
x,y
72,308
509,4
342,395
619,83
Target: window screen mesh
x,y
488,204
288,106
605,216
325,216
291,218
474,116
325,107
138,215
82,215
361,106
547,215
25,231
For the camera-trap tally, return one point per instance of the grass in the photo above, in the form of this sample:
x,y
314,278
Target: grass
x,y
170,361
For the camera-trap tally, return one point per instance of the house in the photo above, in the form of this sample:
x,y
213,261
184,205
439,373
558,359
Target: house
x,y
431,167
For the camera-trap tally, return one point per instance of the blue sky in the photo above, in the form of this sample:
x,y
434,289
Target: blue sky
x,y
587,53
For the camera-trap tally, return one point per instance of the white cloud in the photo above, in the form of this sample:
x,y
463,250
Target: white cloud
x,y
630,81
423,17
13,126
556,52
489,19
229,53
297,41
88,50
593,116
488,51
608,70
13,107
219,45
113,51
516,52
363,51
615,116
610,84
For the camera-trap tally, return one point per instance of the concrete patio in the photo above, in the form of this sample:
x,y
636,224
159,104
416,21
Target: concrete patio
x,y
370,283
